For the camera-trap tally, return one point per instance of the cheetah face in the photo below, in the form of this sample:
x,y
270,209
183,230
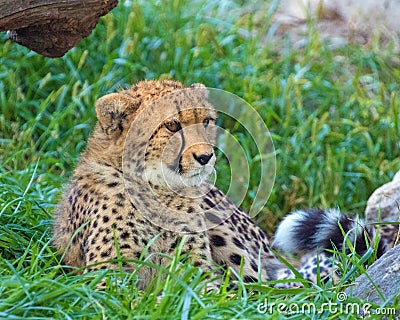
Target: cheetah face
x,y
168,134
180,151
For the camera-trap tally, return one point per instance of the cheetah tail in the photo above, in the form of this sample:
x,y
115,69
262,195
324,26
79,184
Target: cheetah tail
x,y
314,230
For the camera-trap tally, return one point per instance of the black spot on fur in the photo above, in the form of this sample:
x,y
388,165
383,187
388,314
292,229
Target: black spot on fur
x,y
235,259
212,218
105,254
238,243
212,193
249,279
254,266
120,196
209,203
175,243
190,210
119,203
218,241
262,234
191,240
381,248
125,235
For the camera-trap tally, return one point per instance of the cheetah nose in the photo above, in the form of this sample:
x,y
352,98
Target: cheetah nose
x,y
203,158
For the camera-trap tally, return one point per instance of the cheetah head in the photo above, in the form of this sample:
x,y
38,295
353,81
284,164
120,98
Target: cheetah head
x,y
176,125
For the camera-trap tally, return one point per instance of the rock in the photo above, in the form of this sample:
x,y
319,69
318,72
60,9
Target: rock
x,y
356,21
387,200
385,274
396,177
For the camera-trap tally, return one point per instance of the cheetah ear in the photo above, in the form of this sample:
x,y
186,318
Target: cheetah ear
x,y
200,88
114,112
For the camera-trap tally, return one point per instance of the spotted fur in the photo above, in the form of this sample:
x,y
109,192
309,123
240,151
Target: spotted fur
x,y
103,209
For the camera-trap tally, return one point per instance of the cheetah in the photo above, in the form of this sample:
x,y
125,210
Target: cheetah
x,y
134,190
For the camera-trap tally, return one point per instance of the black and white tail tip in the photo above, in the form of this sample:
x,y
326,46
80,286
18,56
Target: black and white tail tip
x,y
314,230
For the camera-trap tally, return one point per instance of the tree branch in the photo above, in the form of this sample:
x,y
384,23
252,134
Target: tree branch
x,y
51,27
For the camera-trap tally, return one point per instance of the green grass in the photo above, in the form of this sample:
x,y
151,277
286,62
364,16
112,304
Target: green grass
x,y
333,115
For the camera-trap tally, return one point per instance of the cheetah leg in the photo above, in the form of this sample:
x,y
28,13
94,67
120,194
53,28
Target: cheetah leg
x,y
200,256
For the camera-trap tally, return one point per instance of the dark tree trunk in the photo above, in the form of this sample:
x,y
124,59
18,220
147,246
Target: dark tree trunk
x,y
51,27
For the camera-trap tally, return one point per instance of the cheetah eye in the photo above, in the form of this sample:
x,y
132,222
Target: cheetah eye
x,y
173,126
